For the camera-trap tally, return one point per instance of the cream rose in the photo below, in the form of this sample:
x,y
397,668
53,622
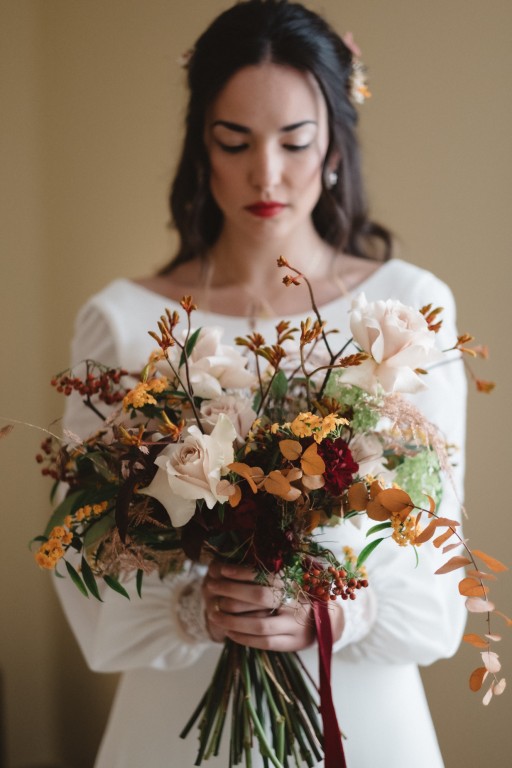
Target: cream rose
x,y
214,367
237,409
368,451
192,469
398,340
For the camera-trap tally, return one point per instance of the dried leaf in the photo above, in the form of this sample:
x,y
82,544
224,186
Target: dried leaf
x,y
235,498
491,661
488,696
375,489
376,511
500,686
291,449
253,475
493,637
451,547
357,497
470,587
440,540
277,484
396,501
491,562
311,462
458,561
506,618
476,640
427,533
313,482
477,677
6,430
481,575
432,504
478,605
293,474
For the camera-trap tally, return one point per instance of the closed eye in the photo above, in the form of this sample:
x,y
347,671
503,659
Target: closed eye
x,y
296,147
233,149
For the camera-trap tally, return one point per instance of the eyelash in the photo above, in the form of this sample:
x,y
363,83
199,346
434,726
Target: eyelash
x,y
235,149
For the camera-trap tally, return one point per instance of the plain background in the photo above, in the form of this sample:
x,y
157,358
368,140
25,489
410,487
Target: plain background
x,y
92,104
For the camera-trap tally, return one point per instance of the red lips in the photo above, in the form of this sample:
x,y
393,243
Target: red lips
x,y
265,209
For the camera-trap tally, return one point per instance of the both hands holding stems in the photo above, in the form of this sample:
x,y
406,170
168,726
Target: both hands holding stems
x,y
252,614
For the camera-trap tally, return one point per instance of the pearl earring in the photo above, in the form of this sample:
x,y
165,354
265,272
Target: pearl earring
x,y
332,179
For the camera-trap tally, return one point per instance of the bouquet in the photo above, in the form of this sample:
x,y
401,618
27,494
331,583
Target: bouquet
x,y
207,456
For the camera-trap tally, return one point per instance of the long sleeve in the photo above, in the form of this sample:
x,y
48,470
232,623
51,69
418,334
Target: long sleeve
x,y
119,634
410,614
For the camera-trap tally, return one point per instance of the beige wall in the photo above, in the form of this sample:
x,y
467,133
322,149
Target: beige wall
x,y
91,108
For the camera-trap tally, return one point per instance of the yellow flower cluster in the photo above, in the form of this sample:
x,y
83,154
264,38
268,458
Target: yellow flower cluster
x,y
141,395
351,561
404,531
84,513
308,424
51,551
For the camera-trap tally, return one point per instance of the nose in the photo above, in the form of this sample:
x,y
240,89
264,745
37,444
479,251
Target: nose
x,y
265,169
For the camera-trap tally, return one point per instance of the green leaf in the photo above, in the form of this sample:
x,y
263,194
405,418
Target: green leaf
x,y
116,586
90,581
364,554
77,581
98,529
189,346
70,504
140,574
379,527
279,386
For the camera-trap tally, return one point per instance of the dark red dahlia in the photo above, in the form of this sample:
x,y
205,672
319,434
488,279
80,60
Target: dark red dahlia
x,y
340,466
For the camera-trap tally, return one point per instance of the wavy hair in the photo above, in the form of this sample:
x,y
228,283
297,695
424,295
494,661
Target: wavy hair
x,y
288,34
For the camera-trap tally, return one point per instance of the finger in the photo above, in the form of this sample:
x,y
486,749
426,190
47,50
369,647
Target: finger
x,y
254,596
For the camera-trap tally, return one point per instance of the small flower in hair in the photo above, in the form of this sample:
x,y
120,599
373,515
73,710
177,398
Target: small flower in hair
x,y
184,59
357,84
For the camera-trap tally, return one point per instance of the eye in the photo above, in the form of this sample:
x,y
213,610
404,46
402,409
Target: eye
x,y
232,149
296,147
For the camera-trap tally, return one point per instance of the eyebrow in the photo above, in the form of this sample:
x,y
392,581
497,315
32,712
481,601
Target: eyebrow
x,y
243,129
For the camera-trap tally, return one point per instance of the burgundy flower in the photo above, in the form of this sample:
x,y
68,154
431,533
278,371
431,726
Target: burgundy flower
x,y
339,465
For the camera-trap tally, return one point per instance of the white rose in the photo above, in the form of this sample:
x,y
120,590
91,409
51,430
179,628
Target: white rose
x,y
213,366
398,340
237,409
192,469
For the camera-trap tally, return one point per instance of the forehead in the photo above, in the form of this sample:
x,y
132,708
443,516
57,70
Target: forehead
x,y
269,95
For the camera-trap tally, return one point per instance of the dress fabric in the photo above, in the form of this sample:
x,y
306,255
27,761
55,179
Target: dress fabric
x,y
407,617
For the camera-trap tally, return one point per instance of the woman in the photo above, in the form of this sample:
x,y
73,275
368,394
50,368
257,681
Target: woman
x,y
270,167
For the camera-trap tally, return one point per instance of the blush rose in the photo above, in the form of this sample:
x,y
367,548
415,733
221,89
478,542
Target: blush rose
x,y
191,470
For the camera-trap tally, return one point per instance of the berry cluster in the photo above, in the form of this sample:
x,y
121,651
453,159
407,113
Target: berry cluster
x,y
330,583
50,459
100,381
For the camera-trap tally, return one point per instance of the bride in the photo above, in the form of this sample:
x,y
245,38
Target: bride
x,y
270,166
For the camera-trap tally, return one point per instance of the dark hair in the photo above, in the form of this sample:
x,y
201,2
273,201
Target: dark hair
x,y
289,34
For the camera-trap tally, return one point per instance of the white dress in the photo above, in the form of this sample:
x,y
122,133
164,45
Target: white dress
x,y
407,617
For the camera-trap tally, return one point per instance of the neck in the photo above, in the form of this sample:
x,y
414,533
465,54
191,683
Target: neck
x,y
236,260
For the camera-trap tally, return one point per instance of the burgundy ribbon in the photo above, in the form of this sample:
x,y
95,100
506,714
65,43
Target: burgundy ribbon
x,y
333,747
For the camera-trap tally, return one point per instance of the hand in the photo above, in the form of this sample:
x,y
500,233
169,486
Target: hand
x,y
252,614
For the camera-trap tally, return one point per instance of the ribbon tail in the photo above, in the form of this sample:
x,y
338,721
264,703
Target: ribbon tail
x,y
333,746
